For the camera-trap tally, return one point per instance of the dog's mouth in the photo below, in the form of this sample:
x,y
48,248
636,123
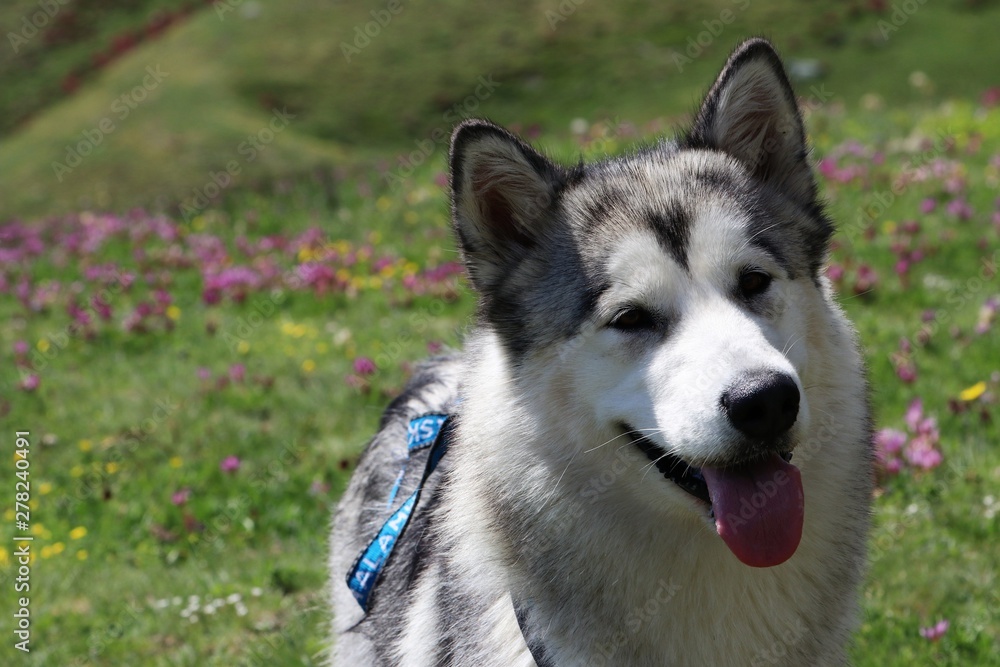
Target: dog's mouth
x,y
758,506
674,468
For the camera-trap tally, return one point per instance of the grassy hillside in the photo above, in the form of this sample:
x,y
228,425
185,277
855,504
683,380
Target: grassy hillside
x,y
357,99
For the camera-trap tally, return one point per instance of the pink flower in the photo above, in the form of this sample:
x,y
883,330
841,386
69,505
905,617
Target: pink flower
x,y
960,209
935,632
914,414
921,453
180,497
30,383
204,374
928,205
889,441
21,348
907,372
237,372
229,464
364,366
835,272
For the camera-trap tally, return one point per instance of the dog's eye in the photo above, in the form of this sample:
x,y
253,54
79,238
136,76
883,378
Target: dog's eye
x,y
632,319
753,283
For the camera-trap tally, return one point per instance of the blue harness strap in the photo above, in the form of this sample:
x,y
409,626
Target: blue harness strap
x,y
427,437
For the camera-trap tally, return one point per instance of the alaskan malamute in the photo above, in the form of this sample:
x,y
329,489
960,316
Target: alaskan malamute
x,y
655,447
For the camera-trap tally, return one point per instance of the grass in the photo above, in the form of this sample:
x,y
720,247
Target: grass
x,y
229,69
121,421
130,425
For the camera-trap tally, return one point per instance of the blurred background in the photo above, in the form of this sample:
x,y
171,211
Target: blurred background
x,y
224,243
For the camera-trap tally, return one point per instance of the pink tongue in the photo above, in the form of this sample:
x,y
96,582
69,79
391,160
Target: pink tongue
x,y
758,509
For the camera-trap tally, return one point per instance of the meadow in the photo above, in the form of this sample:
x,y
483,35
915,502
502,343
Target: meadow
x,y
198,382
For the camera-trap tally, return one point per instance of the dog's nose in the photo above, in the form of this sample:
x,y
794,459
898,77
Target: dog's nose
x,y
762,405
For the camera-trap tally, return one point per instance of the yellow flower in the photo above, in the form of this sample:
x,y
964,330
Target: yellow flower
x,y
37,529
308,365
889,227
43,345
383,204
85,445
81,554
973,392
4,557
46,551
45,488
76,471
243,347
322,347
176,462
111,467
410,218
58,548
174,313
343,275
375,282
77,533
8,515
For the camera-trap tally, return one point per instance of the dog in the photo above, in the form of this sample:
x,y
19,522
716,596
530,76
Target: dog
x,y
655,447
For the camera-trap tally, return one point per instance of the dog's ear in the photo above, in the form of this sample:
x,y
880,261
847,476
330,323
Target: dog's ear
x,y
751,113
503,192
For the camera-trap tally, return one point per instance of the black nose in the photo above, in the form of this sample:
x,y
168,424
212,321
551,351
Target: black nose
x,y
762,405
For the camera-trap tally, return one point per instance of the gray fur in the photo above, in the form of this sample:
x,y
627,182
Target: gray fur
x,y
540,501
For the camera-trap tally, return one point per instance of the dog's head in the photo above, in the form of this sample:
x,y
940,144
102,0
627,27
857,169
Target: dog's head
x,y
667,297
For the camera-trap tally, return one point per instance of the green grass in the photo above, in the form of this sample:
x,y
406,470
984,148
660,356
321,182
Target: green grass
x,y
296,426
122,421
227,70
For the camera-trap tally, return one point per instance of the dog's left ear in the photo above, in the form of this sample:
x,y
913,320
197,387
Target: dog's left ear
x,y
503,193
751,113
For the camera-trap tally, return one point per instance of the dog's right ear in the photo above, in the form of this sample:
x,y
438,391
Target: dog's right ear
x,y
503,192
